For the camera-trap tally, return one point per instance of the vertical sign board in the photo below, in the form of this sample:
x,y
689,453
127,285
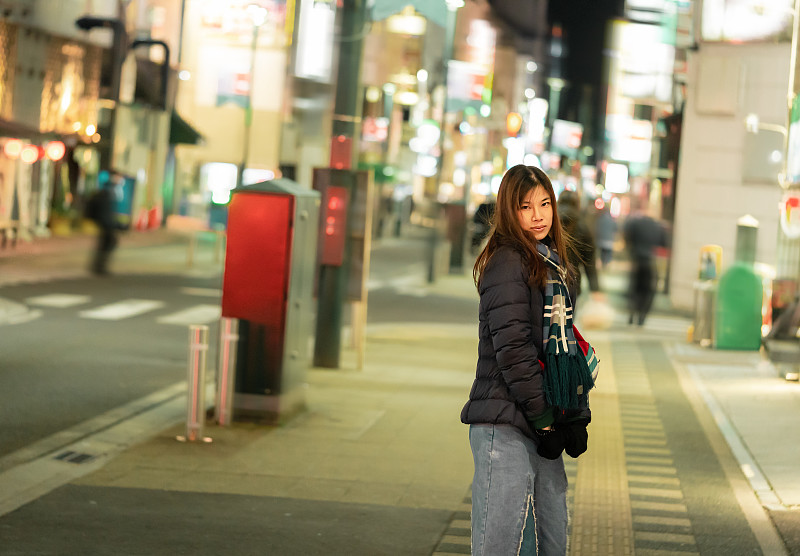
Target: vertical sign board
x,y
343,258
357,186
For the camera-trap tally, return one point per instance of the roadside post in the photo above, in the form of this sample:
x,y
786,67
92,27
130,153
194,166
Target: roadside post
x,y
226,371
196,381
705,295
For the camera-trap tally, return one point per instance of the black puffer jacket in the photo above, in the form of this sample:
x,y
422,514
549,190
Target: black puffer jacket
x,y
509,380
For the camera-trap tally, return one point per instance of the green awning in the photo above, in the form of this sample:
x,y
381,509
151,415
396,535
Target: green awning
x,y
181,132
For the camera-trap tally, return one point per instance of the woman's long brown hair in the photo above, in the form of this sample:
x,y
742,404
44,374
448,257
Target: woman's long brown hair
x,y
506,229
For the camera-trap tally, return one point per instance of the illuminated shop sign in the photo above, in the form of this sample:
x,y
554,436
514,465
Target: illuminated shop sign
x,y
630,140
645,63
566,137
465,84
616,178
746,20
315,40
232,35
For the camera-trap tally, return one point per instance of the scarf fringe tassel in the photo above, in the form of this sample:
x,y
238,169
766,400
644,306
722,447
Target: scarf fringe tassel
x,y
564,374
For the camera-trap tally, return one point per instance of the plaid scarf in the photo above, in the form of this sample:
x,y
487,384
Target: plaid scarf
x,y
570,363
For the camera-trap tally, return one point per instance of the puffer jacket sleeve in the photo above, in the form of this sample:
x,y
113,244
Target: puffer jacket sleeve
x,y
507,303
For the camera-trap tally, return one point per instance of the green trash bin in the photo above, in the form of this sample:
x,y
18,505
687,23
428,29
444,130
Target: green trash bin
x,y
739,297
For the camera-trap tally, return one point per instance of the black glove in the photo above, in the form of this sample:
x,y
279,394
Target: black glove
x,y
575,438
551,443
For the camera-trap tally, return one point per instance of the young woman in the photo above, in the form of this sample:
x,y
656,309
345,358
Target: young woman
x,y
528,402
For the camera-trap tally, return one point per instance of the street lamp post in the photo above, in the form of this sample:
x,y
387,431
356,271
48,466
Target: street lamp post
x,y
165,102
119,49
259,15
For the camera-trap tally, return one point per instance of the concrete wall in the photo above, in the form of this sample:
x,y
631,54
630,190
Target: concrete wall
x,y
724,172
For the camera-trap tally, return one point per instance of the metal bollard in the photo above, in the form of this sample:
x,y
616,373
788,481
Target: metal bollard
x,y
196,379
226,372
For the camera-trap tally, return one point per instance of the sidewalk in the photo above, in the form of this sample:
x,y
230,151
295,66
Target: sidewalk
x,y
380,464
376,466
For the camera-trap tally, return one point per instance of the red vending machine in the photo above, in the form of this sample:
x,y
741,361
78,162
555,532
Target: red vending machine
x,y
268,285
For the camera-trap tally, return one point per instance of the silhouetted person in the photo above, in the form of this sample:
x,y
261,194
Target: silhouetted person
x,y
643,235
482,223
606,231
100,209
582,256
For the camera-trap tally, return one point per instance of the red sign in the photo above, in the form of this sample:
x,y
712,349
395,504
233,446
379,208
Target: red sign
x,y
334,225
790,215
341,149
241,84
375,129
258,257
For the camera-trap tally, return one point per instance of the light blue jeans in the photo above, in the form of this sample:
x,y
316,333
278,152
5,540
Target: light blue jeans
x,y
519,499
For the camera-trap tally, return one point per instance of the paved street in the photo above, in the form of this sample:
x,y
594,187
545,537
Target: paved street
x,y
692,451
89,345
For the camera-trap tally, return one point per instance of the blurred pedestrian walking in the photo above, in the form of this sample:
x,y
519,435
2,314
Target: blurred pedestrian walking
x,y
582,253
643,234
481,224
100,209
521,415
606,233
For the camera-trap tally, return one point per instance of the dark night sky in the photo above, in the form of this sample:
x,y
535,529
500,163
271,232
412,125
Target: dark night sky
x,y
584,24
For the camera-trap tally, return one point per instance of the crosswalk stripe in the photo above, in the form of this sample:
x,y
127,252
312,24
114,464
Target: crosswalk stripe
x,y
122,309
203,292
199,314
59,300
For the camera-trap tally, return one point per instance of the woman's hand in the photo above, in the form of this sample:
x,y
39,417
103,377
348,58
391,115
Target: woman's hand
x,y
551,442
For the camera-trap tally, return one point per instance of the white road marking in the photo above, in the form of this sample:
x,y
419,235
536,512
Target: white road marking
x,y
22,318
60,300
122,309
202,292
199,314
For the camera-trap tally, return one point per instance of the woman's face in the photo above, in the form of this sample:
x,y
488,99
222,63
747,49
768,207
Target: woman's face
x,y
536,213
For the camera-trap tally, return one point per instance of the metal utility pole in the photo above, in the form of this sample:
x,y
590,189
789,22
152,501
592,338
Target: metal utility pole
x,y
349,98
346,119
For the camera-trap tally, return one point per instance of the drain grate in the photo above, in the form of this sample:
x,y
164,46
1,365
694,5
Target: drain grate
x,y
74,457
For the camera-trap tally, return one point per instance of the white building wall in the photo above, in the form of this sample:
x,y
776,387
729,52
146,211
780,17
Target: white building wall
x,y
58,17
726,83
